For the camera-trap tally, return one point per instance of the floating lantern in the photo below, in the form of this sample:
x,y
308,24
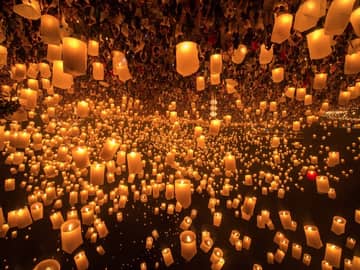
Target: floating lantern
x,y
322,184
215,78
239,54
29,9
97,174
74,54
82,109
355,21
98,71
134,162
81,261
183,192
216,63
167,257
71,237
200,83
320,81
312,237
311,175
188,245
338,16
214,128
48,264
277,74
333,255
50,29
306,17
319,44
338,225
282,27
352,65
54,52
187,61
93,48
60,79
3,56
266,55
81,157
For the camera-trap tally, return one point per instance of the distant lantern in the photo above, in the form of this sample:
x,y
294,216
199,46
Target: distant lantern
x,y
282,27
61,79
200,83
338,16
74,56
98,71
45,71
18,72
239,54
352,63
231,86
278,74
290,92
120,66
215,79
48,264
355,21
50,29
344,98
3,56
187,60
266,55
28,9
320,81
93,48
216,63
300,93
319,44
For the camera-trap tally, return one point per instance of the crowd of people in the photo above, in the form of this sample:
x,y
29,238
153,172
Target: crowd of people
x,y
148,31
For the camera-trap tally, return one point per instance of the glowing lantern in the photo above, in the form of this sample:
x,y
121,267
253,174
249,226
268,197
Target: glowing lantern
x,y
320,81
29,9
344,98
355,21
93,48
239,54
200,83
50,29
314,8
300,94
278,74
74,56
266,55
282,27
187,61
3,56
230,86
290,92
216,63
48,264
215,79
82,109
28,98
54,52
18,72
120,66
307,100
71,237
338,16
352,63
319,44
61,79
98,71
311,175
304,22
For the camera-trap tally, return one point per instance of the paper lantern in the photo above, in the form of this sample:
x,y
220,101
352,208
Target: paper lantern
x,y
45,71
187,61
277,74
320,81
355,21
33,84
28,98
215,78
82,109
188,245
48,264
352,63
18,72
50,29
183,192
54,52
216,63
120,66
319,44
338,16
239,54
282,27
344,98
266,56
314,8
29,9
93,48
3,56
307,100
290,92
74,56
231,86
300,94
71,237
98,71
200,83
303,18
61,79
33,70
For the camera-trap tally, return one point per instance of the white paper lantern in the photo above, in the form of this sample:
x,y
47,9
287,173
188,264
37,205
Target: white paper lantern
x,y
3,56
319,44
29,9
98,71
355,21
352,63
61,79
320,81
277,74
266,56
239,54
54,52
338,16
303,20
50,30
282,27
74,56
187,60
200,83
93,48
